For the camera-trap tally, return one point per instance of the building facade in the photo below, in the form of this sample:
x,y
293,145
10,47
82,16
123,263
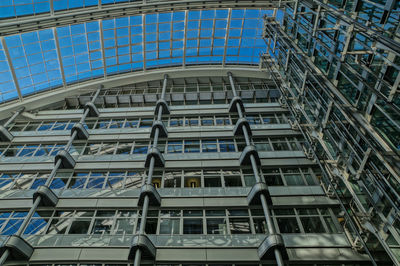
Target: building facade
x,y
199,133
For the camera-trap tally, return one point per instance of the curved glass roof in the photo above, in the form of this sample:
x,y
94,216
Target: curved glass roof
x,y
41,60
19,8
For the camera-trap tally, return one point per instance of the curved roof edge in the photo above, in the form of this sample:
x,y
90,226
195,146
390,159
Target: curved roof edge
x,y
37,100
9,26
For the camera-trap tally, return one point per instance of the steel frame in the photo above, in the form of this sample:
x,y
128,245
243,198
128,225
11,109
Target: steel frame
x,y
80,15
359,159
37,100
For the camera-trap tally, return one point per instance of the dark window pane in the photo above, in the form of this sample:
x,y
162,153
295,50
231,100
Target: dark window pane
x,y
233,181
80,226
151,226
260,225
312,225
193,226
288,225
212,181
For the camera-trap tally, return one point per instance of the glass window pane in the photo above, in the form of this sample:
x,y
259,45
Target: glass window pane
x,y
193,226
102,226
169,226
312,225
80,226
288,225
217,226
239,225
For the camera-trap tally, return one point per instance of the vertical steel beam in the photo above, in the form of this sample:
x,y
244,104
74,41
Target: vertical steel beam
x,y
11,66
59,57
185,40
227,35
103,52
144,40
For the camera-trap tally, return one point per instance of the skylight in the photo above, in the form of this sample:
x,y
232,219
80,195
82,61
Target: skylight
x,y
51,58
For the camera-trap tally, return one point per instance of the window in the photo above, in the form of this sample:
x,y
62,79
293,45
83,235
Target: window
x,y
212,179
192,225
125,222
239,223
192,146
233,181
124,148
170,222
80,226
288,225
191,121
174,146
216,226
226,145
103,225
209,146
140,147
172,179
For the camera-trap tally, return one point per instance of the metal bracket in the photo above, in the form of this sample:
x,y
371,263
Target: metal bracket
x,y
93,111
81,131
253,198
163,133
5,135
238,129
152,193
233,107
159,159
143,243
48,197
164,104
19,248
270,243
245,156
67,162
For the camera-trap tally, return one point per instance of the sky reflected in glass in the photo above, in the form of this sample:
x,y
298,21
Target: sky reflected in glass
x,y
107,47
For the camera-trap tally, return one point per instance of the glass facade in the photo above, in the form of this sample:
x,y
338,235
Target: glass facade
x,y
342,85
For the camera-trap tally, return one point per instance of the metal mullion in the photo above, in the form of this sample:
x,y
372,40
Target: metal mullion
x,y
51,7
158,37
130,42
116,41
144,41
171,37
198,44
87,46
59,56
102,46
11,67
185,39
227,35
241,34
213,35
321,217
297,216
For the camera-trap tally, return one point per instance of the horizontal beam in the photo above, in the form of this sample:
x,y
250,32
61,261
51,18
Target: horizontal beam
x,y
52,96
80,15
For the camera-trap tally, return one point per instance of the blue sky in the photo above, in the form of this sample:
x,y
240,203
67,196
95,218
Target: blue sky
x,y
129,44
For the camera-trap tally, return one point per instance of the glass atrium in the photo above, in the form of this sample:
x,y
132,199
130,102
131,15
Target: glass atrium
x,y
207,133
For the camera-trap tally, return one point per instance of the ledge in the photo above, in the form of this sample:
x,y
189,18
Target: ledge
x,y
192,241
136,161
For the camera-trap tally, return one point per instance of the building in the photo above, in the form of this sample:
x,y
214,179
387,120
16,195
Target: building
x,y
199,133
